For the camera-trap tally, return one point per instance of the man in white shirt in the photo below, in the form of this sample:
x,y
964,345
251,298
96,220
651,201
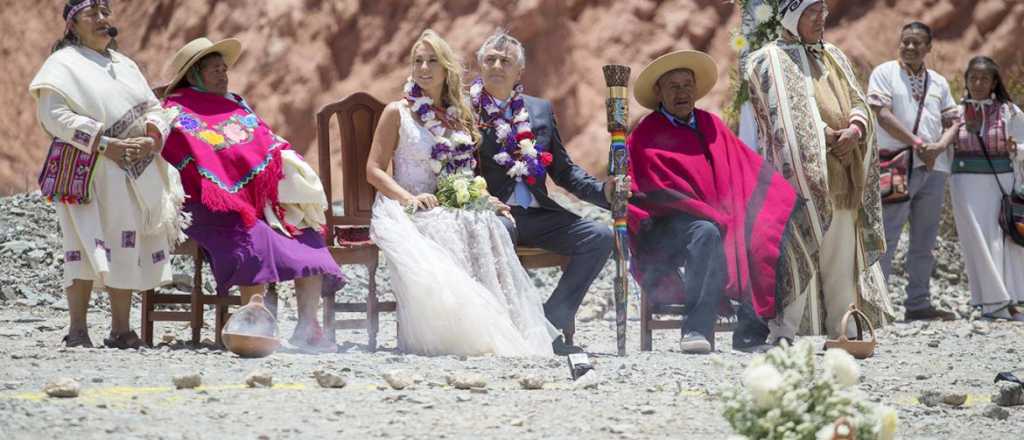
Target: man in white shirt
x,y
895,92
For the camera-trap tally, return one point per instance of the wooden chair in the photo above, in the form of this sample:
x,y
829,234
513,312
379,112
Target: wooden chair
x,y
196,299
651,306
348,234
536,258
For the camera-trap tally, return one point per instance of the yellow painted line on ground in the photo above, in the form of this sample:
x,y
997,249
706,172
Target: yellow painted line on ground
x,y
120,393
972,400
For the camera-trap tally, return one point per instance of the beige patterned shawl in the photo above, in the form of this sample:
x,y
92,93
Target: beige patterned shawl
x,y
791,134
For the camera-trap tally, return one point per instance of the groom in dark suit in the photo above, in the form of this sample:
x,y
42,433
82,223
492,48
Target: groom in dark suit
x,y
520,149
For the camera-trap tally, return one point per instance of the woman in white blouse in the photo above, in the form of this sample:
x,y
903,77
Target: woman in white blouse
x,y
987,146
94,100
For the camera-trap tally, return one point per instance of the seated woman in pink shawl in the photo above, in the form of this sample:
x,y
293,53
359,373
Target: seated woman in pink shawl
x,y
257,209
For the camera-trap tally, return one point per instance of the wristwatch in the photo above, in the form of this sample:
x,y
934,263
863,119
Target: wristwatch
x,y
101,147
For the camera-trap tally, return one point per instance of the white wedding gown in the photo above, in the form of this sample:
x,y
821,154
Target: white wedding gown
x,y
460,287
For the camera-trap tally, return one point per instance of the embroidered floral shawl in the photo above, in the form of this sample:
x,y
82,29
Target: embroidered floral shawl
x,y
229,159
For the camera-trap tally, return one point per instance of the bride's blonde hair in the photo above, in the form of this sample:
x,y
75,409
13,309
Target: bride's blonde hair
x,y
454,90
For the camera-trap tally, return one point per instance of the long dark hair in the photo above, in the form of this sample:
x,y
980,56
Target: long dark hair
x,y
986,64
69,38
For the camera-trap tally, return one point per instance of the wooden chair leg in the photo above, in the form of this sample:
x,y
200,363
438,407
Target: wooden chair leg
x,y
372,314
646,336
329,316
569,332
270,299
147,317
221,319
197,300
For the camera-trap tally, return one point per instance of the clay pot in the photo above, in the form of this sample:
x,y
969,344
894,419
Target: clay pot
x,y
251,332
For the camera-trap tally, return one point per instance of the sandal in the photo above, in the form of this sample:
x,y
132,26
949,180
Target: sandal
x,y
1003,314
77,339
314,343
124,341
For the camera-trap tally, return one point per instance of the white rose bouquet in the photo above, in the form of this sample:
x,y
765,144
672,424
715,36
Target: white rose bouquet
x,y
785,396
463,191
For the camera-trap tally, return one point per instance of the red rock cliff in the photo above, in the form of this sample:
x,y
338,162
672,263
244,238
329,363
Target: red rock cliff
x,y
302,54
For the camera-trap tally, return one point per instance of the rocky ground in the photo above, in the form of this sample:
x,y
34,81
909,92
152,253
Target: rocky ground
x,y
132,394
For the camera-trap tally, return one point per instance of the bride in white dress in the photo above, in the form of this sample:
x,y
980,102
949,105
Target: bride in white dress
x,y
460,287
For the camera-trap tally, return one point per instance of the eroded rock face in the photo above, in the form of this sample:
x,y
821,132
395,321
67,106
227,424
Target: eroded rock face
x,y
302,54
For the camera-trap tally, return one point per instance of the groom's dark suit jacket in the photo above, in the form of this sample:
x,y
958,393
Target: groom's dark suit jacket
x,y
562,170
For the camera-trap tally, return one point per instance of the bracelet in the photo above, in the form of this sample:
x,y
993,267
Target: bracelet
x,y
101,147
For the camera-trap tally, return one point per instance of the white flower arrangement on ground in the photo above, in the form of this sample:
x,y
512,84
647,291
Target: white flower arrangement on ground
x,y
785,396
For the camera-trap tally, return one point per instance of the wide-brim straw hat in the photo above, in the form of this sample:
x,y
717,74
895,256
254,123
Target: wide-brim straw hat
x,y
703,66
195,50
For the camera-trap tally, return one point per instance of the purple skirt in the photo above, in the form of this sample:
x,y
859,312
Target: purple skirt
x,y
259,255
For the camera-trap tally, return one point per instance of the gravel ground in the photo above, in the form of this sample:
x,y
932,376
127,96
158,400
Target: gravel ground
x,y
131,394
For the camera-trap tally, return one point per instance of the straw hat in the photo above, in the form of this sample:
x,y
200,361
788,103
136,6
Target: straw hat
x,y
195,50
702,65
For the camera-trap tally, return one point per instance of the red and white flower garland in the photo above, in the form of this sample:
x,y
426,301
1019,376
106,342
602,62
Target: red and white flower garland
x,y
518,152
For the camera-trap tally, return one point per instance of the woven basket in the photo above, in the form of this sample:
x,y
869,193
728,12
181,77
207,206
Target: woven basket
x,y
858,348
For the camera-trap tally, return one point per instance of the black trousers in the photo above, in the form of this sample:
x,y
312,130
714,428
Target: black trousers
x,y
700,251
587,243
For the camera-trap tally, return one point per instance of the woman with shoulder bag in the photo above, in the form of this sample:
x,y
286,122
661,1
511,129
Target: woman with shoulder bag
x,y
983,181
117,201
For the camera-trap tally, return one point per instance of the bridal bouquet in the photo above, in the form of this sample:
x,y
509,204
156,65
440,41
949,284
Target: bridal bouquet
x,y
785,396
462,190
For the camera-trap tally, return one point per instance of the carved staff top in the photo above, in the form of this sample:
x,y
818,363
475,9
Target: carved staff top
x,y
616,76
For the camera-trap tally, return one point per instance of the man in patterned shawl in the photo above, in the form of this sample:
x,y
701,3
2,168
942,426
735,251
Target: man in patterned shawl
x,y
815,126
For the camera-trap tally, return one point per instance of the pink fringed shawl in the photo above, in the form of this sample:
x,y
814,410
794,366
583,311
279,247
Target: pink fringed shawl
x,y
229,159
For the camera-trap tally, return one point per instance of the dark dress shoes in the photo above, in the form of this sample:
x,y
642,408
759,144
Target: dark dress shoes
x,y
562,349
929,314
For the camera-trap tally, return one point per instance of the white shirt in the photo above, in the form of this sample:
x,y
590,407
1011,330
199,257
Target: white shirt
x,y
891,86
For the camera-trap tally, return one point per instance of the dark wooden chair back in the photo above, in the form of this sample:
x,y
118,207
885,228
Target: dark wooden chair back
x,y
348,238
357,116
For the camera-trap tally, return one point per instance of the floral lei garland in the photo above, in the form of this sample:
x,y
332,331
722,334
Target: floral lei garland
x,y
451,155
519,152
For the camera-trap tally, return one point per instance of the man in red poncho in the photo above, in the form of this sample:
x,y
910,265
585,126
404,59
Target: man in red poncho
x,y
704,202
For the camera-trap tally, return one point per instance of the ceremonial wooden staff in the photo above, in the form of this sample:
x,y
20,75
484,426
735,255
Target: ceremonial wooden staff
x,y
617,78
